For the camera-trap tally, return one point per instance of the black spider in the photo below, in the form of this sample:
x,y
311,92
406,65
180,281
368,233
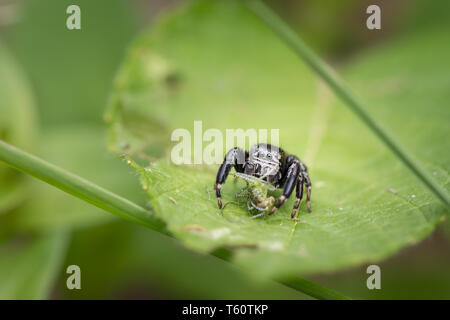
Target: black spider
x,y
271,164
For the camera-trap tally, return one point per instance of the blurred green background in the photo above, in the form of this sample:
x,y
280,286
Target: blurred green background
x,y
54,86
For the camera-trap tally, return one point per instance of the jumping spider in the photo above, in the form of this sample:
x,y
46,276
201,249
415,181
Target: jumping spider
x,y
271,164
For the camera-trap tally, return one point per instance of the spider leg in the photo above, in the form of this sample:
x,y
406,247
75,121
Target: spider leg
x,y
308,193
236,158
299,194
291,180
304,172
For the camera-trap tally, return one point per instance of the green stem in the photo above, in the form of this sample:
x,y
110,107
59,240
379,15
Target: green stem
x,y
312,289
78,187
350,99
106,200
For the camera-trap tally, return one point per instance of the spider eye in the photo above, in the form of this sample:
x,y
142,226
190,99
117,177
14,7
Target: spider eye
x,y
260,154
269,155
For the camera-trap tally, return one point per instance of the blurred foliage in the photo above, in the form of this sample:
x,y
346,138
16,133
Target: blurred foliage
x,y
71,70
81,150
419,272
29,267
325,24
128,261
18,126
59,62
337,29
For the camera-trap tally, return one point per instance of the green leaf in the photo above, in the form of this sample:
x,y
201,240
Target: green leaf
x,y
406,83
233,72
17,126
28,268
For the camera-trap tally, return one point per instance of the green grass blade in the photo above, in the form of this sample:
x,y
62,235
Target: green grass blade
x,y
78,187
108,201
346,94
313,289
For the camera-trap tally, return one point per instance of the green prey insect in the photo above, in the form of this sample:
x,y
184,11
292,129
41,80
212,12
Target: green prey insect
x,y
256,194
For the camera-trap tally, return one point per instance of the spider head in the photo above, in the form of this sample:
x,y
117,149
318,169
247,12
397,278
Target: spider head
x,y
263,162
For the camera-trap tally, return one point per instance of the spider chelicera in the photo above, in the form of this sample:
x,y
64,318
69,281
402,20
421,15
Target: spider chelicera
x,y
273,165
